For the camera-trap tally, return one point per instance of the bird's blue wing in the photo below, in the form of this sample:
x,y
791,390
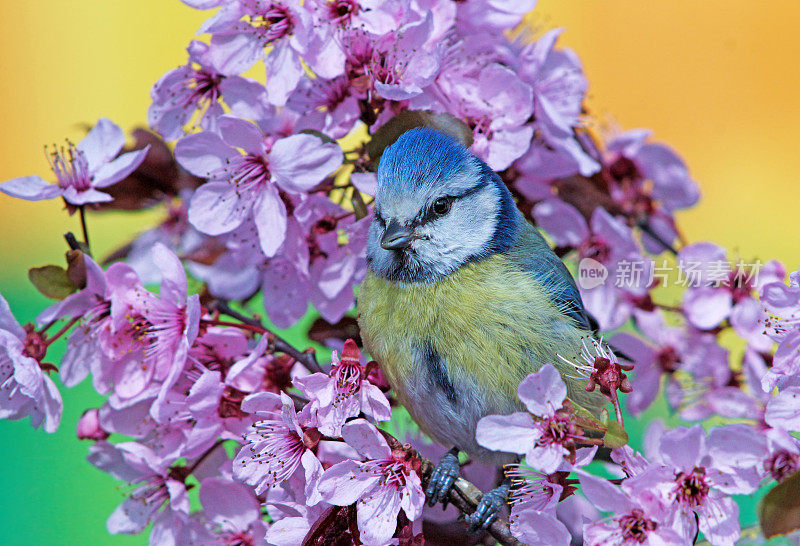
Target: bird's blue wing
x,y
559,282
535,256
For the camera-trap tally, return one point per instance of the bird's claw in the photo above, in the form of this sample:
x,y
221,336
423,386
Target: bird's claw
x,y
488,509
443,478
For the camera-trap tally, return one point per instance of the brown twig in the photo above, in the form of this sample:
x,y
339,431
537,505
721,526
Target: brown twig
x,y
648,229
72,241
465,496
307,358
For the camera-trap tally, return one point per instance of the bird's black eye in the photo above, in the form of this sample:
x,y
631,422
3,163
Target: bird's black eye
x,y
441,206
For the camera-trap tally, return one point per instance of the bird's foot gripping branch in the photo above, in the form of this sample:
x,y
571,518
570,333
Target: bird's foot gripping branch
x,y
406,149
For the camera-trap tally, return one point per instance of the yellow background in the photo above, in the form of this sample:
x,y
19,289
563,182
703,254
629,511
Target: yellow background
x,y
717,80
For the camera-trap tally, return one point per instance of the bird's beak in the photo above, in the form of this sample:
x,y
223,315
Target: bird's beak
x,y
396,237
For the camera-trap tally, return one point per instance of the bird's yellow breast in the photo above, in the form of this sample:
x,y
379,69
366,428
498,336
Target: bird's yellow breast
x,y
492,323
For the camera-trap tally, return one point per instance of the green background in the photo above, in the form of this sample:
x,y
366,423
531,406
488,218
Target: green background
x,y
49,493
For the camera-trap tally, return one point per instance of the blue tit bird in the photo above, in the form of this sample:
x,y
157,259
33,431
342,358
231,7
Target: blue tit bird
x,y
463,299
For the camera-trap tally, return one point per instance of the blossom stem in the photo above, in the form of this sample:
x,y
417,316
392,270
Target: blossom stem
x,y
617,409
465,496
667,307
72,241
83,227
242,326
299,401
63,330
47,326
307,358
645,227
343,216
204,456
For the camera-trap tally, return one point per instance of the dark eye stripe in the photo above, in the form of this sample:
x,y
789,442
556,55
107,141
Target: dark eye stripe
x,y
427,214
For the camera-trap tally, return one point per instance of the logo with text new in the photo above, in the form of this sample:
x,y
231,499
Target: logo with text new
x,y
591,273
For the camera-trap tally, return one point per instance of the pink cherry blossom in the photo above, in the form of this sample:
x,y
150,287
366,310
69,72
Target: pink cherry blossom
x,y
129,326
156,485
83,170
345,393
25,387
719,289
380,487
134,419
173,317
539,167
707,387
492,15
495,103
232,513
335,97
783,325
632,160
278,446
559,87
243,29
711,387
89,303
543,433
374,16
111,340
246,169
697,474
639,516
534,498
89,427
314,264
197,88
295,523
205,412
661,355
395,66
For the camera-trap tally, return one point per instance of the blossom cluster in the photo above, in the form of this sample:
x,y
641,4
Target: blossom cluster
x,y
267,184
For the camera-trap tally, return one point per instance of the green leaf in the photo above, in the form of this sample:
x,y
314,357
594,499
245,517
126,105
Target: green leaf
x,y
779,510
585,419
388,133
615,436
52,281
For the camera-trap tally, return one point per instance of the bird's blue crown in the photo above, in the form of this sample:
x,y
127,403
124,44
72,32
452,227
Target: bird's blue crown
x,y
423,157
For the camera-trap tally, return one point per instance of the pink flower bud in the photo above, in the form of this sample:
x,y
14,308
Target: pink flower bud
x,y
89,426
